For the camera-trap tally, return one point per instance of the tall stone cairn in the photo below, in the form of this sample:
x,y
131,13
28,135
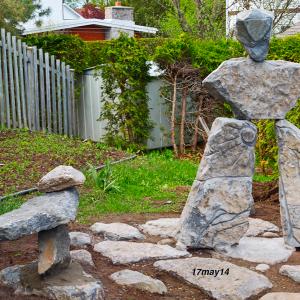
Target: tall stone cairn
x,y
216,213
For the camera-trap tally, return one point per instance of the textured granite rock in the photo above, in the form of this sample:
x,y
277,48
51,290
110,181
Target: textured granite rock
x,y
240,283
289,181
292,272
121,252
139,281
82,256
281,296
164,227
253,30
40,213
262,268
233,139
54,248
261,250
266,90
259,227
72,283
80,239
117,231
61,178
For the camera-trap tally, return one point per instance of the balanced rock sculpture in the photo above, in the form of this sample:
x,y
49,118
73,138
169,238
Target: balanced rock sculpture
x,y
54,275
216,213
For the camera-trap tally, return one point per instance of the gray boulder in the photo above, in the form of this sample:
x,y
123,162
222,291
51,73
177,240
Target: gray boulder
x,y
61,178
40,213
117,231
253,30
121,252
72,283
54,247
289,182
80,239
82,256
266,90
139,281
219,204
292,272
259,227
209,275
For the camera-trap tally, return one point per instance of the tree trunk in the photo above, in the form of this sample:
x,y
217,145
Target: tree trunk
x,y
173,116
182,124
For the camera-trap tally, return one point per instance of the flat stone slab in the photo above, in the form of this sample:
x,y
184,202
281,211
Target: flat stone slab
x,y
262,268
117,231
121,252
261,250
61,178
139,281
259,227
240,283
266,90
80,239
82,256
289,182
72,283
281,296
40,213
164,227
292,272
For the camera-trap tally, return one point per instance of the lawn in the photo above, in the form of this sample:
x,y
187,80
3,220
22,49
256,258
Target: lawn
x,y
152,183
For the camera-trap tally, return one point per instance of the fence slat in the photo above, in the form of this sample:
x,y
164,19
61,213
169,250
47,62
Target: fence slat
x,y
53,86
69,101
36,100
2,97
48,92
64,94
59,100
42,88
11,80
17,84
27,53
73,102
22,83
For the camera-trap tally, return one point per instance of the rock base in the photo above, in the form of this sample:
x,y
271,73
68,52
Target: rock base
x,y
71,283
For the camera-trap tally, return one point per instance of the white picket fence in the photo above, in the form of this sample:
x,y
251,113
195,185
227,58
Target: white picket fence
x,y
36,89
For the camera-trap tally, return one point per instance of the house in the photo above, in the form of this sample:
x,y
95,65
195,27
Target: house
x,y
64,19
295,29
233,7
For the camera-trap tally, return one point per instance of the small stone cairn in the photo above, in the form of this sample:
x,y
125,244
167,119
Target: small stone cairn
x,y
54,275
216,213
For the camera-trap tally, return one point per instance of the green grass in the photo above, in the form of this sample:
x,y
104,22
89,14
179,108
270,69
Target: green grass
x,y
10,204
146,184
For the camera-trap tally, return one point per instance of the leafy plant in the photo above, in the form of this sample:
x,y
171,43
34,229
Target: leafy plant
x,y
103,179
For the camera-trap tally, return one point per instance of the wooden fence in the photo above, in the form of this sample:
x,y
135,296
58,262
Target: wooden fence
x,y
36,89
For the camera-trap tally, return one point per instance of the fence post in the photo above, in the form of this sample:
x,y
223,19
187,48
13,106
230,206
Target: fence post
x,y
29,76
73,106
2,99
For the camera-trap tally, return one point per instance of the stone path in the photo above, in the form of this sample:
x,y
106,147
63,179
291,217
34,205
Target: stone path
x,y
292,272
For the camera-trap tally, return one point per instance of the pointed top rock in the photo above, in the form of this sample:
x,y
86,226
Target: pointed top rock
x,y
253,30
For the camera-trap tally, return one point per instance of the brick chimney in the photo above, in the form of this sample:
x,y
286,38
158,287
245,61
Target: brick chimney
x,y
119,12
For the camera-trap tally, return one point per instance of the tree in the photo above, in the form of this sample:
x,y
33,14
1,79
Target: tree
x,y
284,10
13,13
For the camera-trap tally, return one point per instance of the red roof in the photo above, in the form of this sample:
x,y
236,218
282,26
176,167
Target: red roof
x,y
90,11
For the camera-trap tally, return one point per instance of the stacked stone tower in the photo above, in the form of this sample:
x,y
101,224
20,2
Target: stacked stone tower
x,y
216,213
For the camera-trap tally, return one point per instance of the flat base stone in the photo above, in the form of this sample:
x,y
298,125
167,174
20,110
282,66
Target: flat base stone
x,y
261,250
72,283
240,283
292,272
139,281
281,296
164,227
117,231
130,252
80,239
258,227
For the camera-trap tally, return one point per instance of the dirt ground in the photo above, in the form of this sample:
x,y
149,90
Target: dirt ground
x,y
267,207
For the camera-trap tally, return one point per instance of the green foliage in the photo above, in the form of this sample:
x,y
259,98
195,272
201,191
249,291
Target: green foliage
x,y
103,179
13,13
125,100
